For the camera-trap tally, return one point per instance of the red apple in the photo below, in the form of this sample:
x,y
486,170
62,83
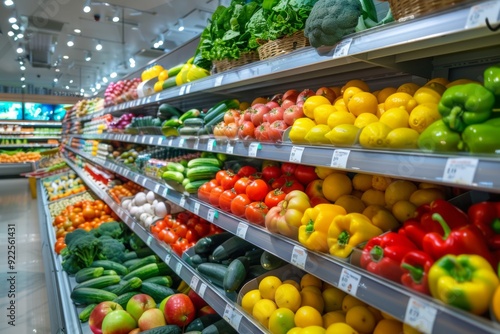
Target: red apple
x,y
140,303
328,93
315,189
98,314
272,104
151,318
291,94
179,310
292,113
118,322
198,302
258,113
276,114
318,200
207,309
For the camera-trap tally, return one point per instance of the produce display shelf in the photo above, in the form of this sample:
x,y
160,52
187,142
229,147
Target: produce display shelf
x,y
8,169
33,123
234,314
2,133
35,145
378,292
31,137
412,165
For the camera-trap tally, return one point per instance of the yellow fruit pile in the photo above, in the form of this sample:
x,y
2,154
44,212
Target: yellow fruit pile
x,y
388,118
312,306
19,157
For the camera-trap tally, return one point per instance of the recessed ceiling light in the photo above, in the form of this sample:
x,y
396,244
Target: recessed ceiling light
x,y
20,35
22,68
71,81
71,41
57,70
23,78
77,31
98,46
66,57
88,55
98,85
19,49
113,75
10,33
56,80
12,19
15,26
86,7
23,86
82,90
67,87
8,3
104,79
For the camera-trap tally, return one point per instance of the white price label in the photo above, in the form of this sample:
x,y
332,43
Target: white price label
x,y
229,148
299,257
157,188
420,315
296,154
165,192
132,226
144,181
479,13
196,210
349,281
253,148
194,282
203,288
128,137
460,170
143,139
196,143
212,215
232,316
167,259
211,144
339,158
182,90
136,178
342,48
188,89
149,240
170,141
178,268
241,230
181,142
182,202
160,141
218,80
151,139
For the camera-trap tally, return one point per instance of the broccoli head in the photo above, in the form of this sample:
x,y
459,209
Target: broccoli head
x,y
111,229
111,249
85,248
71,264
135,242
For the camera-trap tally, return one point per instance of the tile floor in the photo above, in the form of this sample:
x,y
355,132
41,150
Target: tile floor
x,y
31,305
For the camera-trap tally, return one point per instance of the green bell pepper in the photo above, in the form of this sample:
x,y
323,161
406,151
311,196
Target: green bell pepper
x,y
482,138
492,79
437,137
464,105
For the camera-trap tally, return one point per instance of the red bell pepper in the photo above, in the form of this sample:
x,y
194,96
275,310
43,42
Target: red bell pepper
x,y
382,255
416,265
465,240
486,217
416,228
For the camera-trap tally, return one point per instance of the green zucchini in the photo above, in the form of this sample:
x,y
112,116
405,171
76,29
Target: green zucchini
x,y
149,270
214,272
143,252
167,329
202,322
235,276
192,187
197,259
173,71
201,172
85,274
123,299
144,261
171,123
193,122
167,110
129,285
175,167
254,255
109,272
202,162
160,280
188,131
207,244
270,262
255,271
84,314
202,131
191,113
173,176
99,282
110,265
219,327
131,262
170,82
231,248
157,291
221,108
87,296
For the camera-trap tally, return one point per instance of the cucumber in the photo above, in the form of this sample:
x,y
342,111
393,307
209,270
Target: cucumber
x,y
191,113
143,252
124,298
160,280
255,271
188,131
214,272
200,323
231,248
157,291
173,71
167,110
253,256
221,108
125,286
99,282
109,272
87,296
192,187
173,176
144,261
149,270
88,273
131,262
84,315
193,122
209,126
202,132
170,82
171,123
201,172
235,276
205,245
185,182
219,327
110,265
167,329
202,162
269,262
175,167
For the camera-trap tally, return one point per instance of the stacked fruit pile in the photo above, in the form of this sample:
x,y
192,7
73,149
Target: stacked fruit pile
x,y
18,156
121,91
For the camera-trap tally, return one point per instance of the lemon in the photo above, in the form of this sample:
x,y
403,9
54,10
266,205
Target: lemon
x,y
355,83
425,196
268,286
349,93
361,319
429,94
340,328
409,88
400,100
350,203
362,182
333,317
322,112
403,210
343,135
336,185
373,135
249,300
333,298
402,138
380,182
308,316
364,119
281,321
381,217
340,104
313,330
380,110
387,326
317,134
373,197
384,93
288,296
295,330
310,280
395,118
300,128
158,86
399,190
362,102
312,102
323,172
340,117
350,301
442,81
262,311
292,282
423,115
311,296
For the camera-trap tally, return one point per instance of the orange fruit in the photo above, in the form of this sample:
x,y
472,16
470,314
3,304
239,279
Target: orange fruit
x,y
313,102
355,83
442,81
336,185
262,311
348,94
400,100
387,326
362,102
249,300
308,316
308,280
384,93
258,100
288,296
409,88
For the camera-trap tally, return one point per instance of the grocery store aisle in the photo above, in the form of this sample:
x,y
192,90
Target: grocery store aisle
x,y
23,297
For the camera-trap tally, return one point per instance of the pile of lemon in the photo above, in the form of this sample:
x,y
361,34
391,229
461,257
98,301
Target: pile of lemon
x,y
392,117
312,306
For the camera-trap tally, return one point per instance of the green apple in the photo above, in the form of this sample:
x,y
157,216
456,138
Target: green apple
x,y
162,304
118,322
138,304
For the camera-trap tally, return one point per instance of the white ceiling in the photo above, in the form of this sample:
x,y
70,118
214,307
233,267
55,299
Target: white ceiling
x,y
52,22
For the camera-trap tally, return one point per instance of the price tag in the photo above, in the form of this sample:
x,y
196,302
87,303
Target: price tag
x,y
182,202
229,148
170,141
252,149
299,257
178,268
339,158
211,215
151,140
228,313
157,188
136,178
211,144
143,139
181,142
349,281
241,230
132,225
196,210
196,143
203,288
194,282
218,80
128,137
182,90
232,316
188,89
479,13
460,170
149,240
144,181
420,315
160,141
342,48
165,192
167,259
158,97
296,154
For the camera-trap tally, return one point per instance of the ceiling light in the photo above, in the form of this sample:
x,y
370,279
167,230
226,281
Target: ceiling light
x,y
116,18
104,79
181,25
86,7
23,78
67,87
92,89
77,31
71,41
10,33
56,80
8,3
21,62
23,86
58,70
113,75
22,68
20,35
66,57
98,85
71,81
20,49
15,26
98,46
82,90
88,55
132,64
12,19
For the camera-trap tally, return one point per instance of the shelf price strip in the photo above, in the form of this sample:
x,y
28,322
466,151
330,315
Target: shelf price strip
x,y
211,144
211,215
229,148
194,282
349,281
178,268
299,257
241,230
232,316
420,315
339,158
479,13
252,149
196,210
203,288
149,240
460,170
167,259
182,202
296,154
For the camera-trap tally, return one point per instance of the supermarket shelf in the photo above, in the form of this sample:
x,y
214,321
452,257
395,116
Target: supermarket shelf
x,y
11,169
31,136
221,304
16,133
33,123
380,293
412,165
35,145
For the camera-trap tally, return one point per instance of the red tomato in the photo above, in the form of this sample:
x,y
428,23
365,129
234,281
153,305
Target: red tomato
x,y
202,229
215,195
241,185
168,235
262,132
231,130
226,199
180,245
181,230
279,182
247,171
292,184
239,204
271,173
183,217
228,179
328,93
256,212
305,174
246,130
231,115
204,191
288,168
155,229
257,190
192,236
219,175
274,197
276,130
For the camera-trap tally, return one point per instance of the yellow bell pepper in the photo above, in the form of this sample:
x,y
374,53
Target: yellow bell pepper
x,y
315,224
348,231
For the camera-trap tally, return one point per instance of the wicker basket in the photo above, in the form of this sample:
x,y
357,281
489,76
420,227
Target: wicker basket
x,y
227,64
283,45
402,9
